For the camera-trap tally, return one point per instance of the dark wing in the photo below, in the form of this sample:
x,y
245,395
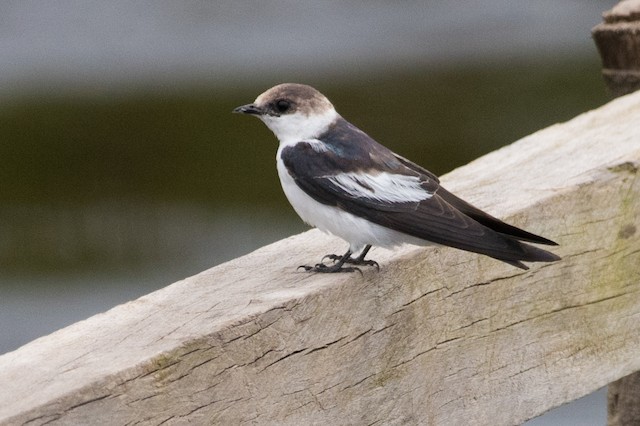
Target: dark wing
x,y
430,217
477,214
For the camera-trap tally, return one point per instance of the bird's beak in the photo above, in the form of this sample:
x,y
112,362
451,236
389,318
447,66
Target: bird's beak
x,y
249,109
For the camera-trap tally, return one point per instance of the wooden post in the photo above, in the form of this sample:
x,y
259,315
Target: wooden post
x,y
623,401
437,336
618,41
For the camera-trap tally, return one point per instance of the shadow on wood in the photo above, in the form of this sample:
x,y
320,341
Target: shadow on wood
x,y
438,336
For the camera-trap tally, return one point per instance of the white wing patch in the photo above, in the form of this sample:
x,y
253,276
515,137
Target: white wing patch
x,y
317,145
385,187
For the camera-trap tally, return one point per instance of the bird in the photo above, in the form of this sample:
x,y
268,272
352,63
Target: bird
x,y
341,181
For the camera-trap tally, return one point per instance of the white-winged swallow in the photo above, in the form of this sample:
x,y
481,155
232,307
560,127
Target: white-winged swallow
x,y
341,181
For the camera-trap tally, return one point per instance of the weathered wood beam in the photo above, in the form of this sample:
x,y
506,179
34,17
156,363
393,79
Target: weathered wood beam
x,y
438,336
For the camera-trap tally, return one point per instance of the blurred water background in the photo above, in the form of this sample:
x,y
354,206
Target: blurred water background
x,y
122,169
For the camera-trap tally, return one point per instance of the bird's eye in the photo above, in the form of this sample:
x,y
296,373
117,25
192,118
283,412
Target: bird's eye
x,y
282,106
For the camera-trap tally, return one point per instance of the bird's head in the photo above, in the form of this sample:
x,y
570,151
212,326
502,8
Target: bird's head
x,y
293,112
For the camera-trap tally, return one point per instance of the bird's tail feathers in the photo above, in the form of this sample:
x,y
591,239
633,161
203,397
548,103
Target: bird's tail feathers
x,y
492,222
529,253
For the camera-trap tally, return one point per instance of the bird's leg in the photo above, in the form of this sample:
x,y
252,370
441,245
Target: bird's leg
x,y
360,259
336,267
357,261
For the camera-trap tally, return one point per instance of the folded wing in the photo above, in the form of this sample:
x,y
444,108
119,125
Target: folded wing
x,y
393,192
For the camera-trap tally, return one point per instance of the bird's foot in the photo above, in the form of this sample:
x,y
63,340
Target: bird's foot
x,y
321,267
351,261
339,261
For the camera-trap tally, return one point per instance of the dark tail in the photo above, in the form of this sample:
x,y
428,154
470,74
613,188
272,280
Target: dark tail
x,y
495,223
522,252
529,253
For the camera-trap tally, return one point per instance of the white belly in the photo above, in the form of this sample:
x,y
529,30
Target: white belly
x,y
357,231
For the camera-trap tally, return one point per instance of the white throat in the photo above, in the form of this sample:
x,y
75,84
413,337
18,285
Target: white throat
x,y
291,128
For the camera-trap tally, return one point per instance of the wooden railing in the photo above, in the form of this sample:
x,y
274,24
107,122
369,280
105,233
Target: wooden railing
x,y
437,336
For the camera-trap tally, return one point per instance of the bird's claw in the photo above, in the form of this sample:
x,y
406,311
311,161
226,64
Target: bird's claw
x,y
333,257
321,267
351,261
372,263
